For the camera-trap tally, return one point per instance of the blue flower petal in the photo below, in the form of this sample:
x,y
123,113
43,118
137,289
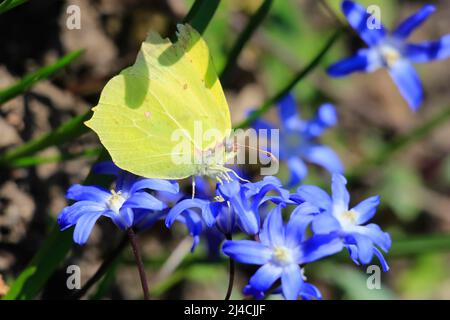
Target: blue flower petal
x,y
378,236
365,247
339,193
126,219
106,167
250,291
408,82
320,246
71,214
366,209
246,251
235,194
84,226
144,219
229,189
289,116
155,184
411,23
291,281
358,18
384,264
296,227
225,217
429,50
323,156
325,118
297,169
265,277
272,233
358,62
144,200
186,204
325,223
315,196
194,224
309,292
79,192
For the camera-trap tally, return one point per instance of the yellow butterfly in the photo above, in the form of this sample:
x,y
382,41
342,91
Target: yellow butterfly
x,y
171,90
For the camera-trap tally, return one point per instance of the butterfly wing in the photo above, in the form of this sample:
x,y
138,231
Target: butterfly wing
x,y
170,88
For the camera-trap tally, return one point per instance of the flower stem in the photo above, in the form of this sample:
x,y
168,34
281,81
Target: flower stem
x,y
140,265
232,272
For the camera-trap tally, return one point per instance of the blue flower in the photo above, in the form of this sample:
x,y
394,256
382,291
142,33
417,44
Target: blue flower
x,y
391,50
334,216
282,248
307,292
298,139
235,205
128,205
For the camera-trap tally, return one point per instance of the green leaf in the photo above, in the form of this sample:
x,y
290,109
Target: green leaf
x,y
32,78
10,4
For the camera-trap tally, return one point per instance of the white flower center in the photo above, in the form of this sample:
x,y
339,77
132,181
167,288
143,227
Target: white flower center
x,y
115,201
282,255
347,218
390,55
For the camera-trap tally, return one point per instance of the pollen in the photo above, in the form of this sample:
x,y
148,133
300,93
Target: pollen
x,y
219,199
349,217
390,55
115,201
282,255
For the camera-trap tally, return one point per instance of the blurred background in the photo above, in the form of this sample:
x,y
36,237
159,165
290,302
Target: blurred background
x,y
414,183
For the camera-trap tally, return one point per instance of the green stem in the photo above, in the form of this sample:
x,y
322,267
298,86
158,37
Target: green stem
x,y
243,38
299,76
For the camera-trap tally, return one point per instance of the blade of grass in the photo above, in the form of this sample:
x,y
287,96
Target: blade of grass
x,y
50,255
411,246
10,4
66,132
30,79
291,84
244,37
201,13
36,160
400,143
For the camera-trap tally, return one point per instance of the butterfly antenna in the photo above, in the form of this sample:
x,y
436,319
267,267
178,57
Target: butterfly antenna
x,y
268,153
